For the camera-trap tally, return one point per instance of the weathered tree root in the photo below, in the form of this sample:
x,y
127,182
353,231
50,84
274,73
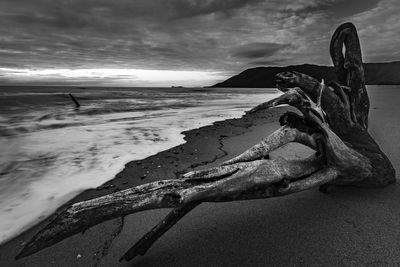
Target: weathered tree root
x,y
334,123
141,247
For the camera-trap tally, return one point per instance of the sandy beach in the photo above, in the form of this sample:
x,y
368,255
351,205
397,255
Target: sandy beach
x,y
349,226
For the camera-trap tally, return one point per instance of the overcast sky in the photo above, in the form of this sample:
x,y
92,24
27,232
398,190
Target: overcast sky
x,y
179,42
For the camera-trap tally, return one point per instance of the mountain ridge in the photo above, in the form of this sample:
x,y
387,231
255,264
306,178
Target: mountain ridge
x,y
380,73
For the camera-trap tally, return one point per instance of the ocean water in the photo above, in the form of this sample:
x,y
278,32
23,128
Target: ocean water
x,y
50,151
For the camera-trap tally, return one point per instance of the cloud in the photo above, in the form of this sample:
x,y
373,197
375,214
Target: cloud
x,y
258,50
196,35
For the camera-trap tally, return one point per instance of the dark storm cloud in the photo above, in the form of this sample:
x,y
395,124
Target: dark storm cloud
x,y
103,13
177,9
121,32
63,19
258,50
344,8
208,35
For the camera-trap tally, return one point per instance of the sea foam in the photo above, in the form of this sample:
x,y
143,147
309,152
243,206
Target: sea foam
x,y
50,152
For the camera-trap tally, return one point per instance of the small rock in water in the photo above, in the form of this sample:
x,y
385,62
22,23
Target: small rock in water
x,y
158,166
78,256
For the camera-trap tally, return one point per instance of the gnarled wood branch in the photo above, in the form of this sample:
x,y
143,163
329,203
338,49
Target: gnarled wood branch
x,y
334,123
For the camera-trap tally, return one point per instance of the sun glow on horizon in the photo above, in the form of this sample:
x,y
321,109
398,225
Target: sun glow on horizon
x,y
109,76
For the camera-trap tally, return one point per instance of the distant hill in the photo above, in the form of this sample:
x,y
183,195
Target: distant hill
x,y
375,73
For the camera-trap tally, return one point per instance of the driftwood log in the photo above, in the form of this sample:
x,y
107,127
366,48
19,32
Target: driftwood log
x,y
75,101
333,122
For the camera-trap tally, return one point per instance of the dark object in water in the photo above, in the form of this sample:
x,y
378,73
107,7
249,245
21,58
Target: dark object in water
x,y
75,101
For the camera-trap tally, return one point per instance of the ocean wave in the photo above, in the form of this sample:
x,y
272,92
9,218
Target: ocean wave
x,y
50,152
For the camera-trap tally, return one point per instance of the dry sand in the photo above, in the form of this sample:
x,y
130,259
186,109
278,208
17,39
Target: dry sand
x,y
349,226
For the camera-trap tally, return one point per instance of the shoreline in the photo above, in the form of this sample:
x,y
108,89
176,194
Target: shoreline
x,y
201,146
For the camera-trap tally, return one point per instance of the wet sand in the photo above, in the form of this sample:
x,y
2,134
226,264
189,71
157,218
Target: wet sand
x,y
349,226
